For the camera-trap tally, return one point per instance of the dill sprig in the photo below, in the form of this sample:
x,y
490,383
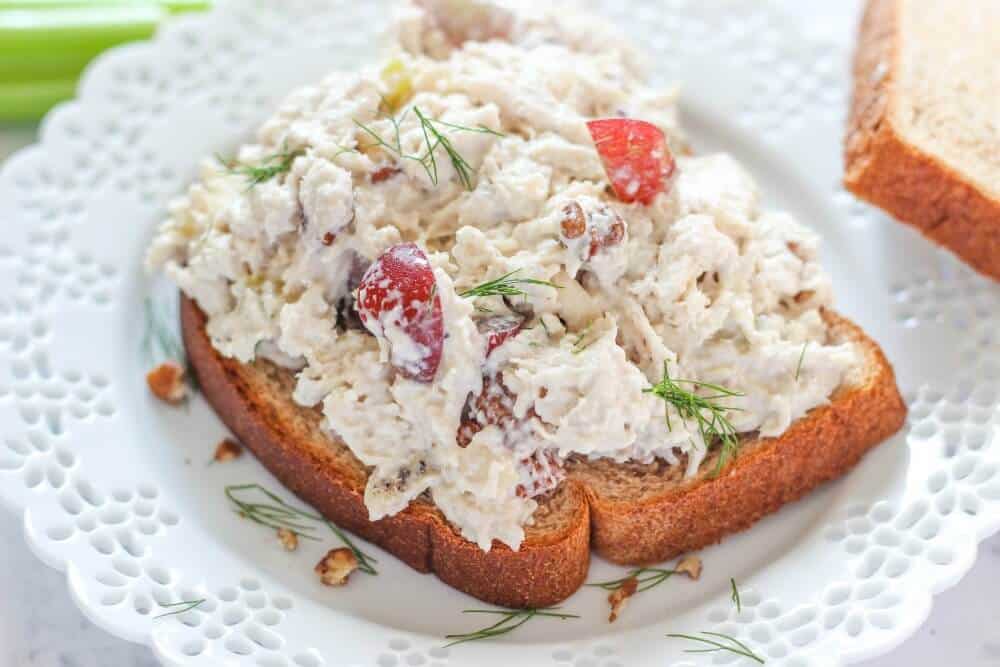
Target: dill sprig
x,y
704,410
462,168
717,642
648,577
505,285
580,343
434,138
270,166
187,605
276,513
161,341
802,356
160,337
512,620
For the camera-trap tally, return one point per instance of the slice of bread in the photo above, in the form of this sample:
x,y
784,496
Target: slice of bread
x,y
923,141
630,514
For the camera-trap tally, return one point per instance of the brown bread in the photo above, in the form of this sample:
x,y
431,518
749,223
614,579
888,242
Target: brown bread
x,y
631,514
923,141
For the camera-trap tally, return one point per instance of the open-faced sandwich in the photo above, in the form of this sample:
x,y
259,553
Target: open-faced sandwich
x,y
479,305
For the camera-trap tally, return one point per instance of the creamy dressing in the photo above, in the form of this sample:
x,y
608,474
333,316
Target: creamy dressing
x,y
701,280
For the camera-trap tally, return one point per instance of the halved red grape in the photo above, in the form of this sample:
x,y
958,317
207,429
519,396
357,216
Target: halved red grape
x,y
498,329
398,302
635,156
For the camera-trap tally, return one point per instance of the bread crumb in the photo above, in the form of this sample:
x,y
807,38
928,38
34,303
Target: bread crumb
x,y
288,539
166,381
691,566
336,567
227,450
620,595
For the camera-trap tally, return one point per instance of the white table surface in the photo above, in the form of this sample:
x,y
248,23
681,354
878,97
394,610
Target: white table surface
x,y
40,626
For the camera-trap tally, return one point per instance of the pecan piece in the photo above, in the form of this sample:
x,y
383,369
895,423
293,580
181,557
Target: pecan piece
x,y
804,296
227,450
574,221
288,539
166,381
493,405
385,173
336,567
691,566
614,236
620,595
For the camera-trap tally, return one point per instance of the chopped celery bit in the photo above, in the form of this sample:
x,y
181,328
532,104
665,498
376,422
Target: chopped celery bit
x,y
399,85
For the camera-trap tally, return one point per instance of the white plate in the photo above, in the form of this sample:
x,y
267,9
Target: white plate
x,y
115,489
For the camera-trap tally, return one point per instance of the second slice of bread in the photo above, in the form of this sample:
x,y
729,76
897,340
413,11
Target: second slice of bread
x,y
923,140
629,513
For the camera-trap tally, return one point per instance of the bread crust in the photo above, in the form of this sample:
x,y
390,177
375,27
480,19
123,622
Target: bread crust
x,y
550,566
547,569
686,515
884,168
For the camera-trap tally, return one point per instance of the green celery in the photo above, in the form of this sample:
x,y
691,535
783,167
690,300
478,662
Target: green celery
x,y
178,6
172,6
29,100
82,26
62,63
45,44
36,32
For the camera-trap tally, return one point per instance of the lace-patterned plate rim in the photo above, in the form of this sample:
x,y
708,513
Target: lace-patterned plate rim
x,y
120,518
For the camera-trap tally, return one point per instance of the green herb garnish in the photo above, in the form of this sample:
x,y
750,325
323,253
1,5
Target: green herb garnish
x,y
512,619
276,513
705,411
579,344
187,605
715,642
161,341
802,356
434,138
505,285
160,338
718,642
647,577
270,166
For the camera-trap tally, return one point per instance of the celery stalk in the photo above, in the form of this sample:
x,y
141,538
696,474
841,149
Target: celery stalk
x,y
83,25
29,32
45,44
178,6
59,63
172,6
29,100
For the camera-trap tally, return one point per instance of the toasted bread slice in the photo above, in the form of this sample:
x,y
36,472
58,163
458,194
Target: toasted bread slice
x,y
632,514
255,402
643,514
923,141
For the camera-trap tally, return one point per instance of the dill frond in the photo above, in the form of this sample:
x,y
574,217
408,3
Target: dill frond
x,y
705,410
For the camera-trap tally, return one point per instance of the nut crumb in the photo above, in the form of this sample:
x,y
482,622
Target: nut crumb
x,y
691,566
227,450
385,173
620,595
804,296
288,539
336,567
573,223
166,381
